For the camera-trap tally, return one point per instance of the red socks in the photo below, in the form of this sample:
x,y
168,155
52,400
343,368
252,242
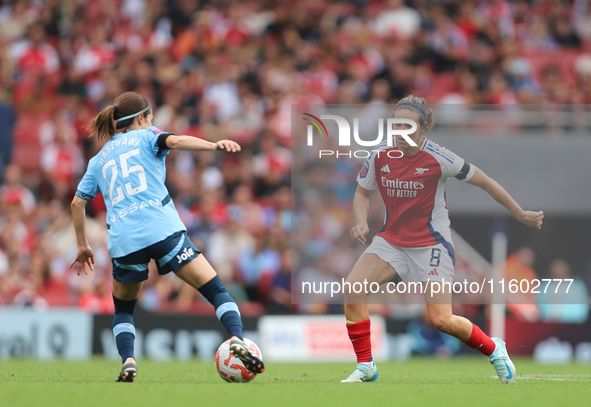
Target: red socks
x,y
360,338
480,341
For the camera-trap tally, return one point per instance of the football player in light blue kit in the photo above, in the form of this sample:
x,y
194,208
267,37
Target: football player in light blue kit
x,y
143,223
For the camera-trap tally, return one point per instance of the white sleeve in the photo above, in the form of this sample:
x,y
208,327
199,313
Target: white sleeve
x,y
367,175
455,166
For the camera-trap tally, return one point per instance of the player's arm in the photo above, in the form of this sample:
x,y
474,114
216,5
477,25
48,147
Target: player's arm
x,y
175,142
361,210
85,255
494,189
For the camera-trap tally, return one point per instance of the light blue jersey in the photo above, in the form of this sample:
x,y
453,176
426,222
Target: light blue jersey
x,y
130,172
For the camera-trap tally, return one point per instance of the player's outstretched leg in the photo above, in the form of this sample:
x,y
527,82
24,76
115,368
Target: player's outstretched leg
x,y
199,274
496,351
442,318
124,332
228,313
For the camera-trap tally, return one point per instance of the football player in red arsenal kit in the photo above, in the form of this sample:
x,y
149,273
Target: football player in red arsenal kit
x,y
415,242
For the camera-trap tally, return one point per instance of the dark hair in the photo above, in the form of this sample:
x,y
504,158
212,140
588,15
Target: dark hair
x,y
104,125
420,104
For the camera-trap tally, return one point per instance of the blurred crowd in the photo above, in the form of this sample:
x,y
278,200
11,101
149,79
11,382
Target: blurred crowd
x,y
233,69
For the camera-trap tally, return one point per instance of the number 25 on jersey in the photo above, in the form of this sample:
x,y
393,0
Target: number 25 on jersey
x,y
126,171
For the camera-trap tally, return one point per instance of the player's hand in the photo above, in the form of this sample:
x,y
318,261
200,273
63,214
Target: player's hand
x,y
84,257
358,233
228,146
531,218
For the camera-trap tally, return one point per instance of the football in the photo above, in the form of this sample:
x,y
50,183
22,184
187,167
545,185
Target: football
x,y
230,368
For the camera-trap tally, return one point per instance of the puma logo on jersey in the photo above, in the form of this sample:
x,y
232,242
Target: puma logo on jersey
x,y
188,252
386,168
433,273
421,171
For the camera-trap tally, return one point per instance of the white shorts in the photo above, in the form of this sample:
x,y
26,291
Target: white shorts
x,y
420,264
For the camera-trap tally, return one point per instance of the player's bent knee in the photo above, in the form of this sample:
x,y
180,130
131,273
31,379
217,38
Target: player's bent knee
x,y
442,323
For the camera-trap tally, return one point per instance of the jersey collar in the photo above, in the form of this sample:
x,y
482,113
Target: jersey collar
x,y
425,140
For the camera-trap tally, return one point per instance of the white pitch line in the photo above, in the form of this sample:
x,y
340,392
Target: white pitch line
x,y
562,378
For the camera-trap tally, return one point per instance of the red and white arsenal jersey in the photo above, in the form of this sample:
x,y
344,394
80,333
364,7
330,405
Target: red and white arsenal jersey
x,y
413,189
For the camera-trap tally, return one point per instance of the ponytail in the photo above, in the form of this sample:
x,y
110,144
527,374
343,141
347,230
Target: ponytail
x,y
115,118
102,125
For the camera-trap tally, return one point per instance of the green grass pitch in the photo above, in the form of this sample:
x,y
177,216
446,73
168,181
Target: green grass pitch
x,y
418,382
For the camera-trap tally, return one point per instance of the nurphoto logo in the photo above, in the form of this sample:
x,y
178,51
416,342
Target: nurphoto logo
x,y
344,135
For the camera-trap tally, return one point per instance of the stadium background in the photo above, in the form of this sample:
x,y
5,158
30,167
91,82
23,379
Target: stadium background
x,y
230,69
